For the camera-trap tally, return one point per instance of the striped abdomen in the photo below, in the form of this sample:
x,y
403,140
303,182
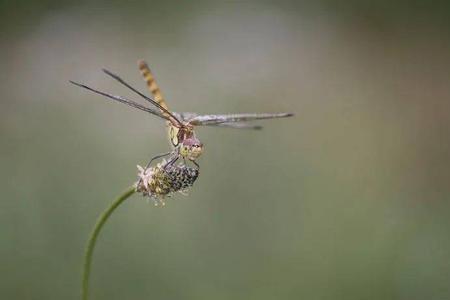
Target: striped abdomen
x,y
151,84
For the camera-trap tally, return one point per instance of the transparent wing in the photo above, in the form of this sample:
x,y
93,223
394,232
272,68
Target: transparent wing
x,y
164,111
237,125
232,118
122,100
186,116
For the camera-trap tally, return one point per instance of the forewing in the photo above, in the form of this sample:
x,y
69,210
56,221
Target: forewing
x,y
185,116
232,118
122,100
163,110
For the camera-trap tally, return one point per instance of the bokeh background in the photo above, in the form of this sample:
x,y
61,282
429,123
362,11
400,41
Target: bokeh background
x,y
348,200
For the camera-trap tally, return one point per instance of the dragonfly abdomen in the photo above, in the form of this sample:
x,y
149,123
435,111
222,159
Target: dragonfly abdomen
x,y
151,83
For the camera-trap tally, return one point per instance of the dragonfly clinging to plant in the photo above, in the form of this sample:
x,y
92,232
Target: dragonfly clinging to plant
x,y
181,125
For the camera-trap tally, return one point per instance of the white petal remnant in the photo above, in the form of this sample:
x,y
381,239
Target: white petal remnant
x,y
164,180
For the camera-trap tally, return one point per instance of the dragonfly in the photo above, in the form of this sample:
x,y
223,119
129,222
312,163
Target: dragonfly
x,y
180,126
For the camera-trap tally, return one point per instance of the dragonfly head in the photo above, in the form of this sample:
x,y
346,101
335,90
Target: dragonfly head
x,y
191,148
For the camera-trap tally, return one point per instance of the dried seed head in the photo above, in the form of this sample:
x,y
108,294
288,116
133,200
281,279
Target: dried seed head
x,y
164,180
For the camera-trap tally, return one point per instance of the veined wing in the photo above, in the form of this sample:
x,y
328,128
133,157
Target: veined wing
x,y
232,118
163,110
186,116
123,100
238,125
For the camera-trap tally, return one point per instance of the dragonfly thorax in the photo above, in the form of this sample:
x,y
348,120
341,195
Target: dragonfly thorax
x,y
184,139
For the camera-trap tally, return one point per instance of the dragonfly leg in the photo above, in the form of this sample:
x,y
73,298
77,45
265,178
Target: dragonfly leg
x,y
172,161
149,163
156,157
195,163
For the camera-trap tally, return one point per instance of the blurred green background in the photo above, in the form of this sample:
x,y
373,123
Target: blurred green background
x,y
348,200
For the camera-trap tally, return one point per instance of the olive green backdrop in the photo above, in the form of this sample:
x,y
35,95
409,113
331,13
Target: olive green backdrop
x,y
348,200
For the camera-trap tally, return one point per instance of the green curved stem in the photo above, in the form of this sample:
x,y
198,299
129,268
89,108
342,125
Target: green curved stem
x,y
93,239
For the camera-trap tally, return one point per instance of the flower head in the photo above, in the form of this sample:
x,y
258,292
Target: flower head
x,y
164,180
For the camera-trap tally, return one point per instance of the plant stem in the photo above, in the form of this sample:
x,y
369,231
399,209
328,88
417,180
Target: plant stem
x,y
93,239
